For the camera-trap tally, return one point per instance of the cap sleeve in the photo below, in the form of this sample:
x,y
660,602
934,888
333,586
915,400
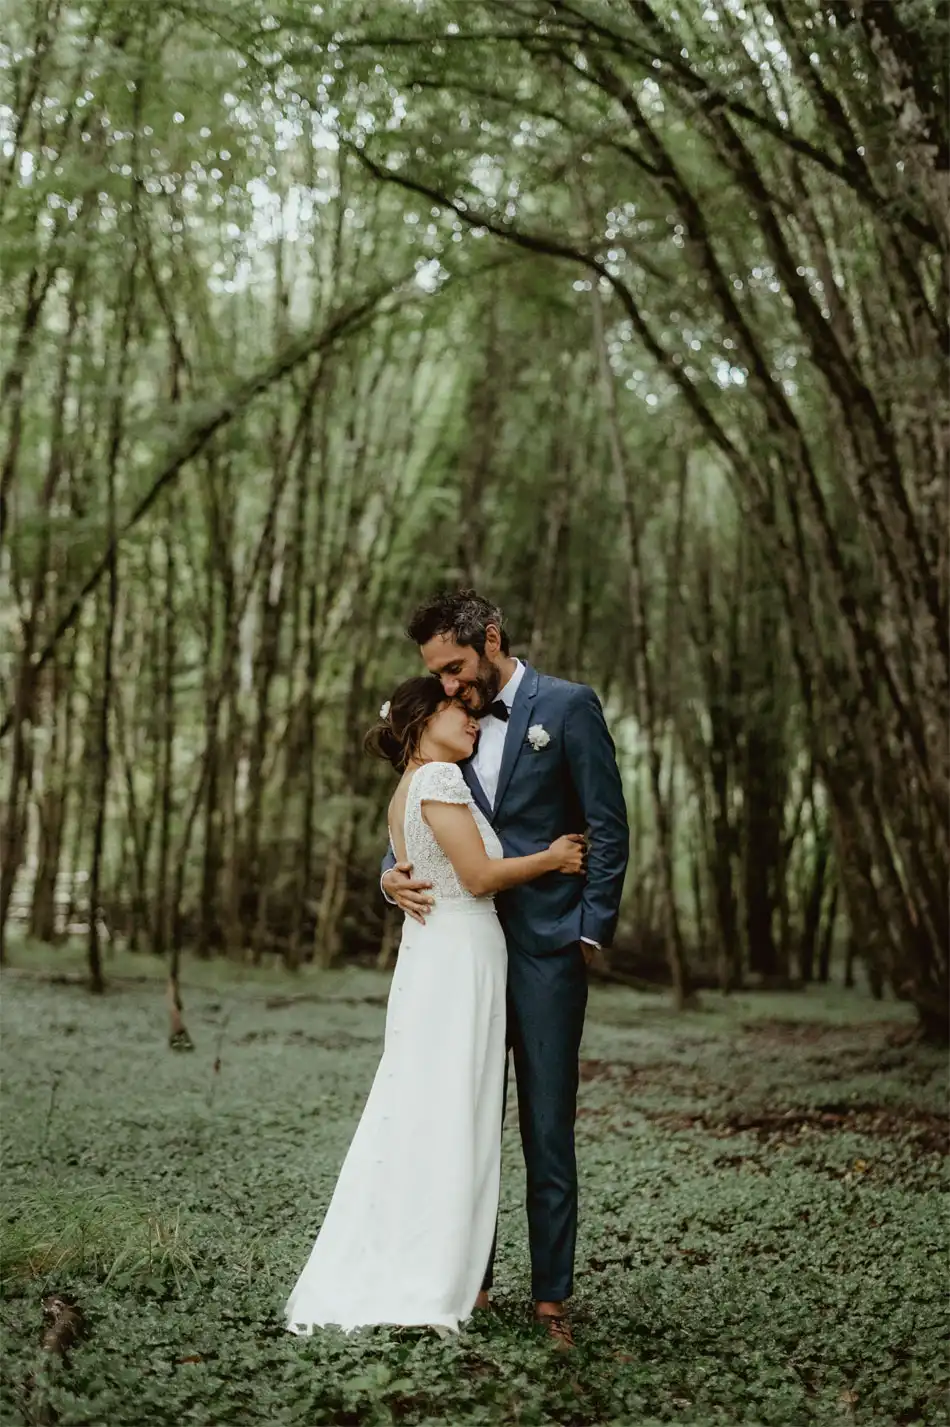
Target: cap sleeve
x,y
441,783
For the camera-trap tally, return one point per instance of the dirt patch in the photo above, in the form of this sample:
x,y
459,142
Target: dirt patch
x,y
337,1041
842,1052
928,1133
660,1075
282,1003
794,1033
591,1070
77,978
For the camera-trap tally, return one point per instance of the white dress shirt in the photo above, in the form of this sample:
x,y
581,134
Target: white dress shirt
x,y
492,732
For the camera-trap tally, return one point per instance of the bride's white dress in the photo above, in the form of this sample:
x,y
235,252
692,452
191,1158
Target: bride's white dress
x,y
408,1232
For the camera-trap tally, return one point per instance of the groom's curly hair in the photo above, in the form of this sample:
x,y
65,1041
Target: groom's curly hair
x,y
463,614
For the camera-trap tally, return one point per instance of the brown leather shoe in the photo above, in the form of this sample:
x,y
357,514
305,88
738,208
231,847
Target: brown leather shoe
x,y
558,1328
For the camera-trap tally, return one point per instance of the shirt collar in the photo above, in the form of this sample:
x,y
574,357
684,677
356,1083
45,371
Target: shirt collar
x,y
507,694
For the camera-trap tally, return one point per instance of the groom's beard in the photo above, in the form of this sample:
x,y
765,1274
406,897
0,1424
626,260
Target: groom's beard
x,y
483,690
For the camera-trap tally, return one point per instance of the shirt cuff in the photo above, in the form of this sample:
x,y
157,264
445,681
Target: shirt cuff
x,y
589,940
386,895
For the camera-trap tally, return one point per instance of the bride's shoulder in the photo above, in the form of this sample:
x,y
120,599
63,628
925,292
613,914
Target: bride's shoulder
x,y
442,781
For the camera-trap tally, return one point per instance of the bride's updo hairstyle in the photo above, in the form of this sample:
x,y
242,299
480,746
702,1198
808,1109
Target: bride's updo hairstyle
x,y
403,720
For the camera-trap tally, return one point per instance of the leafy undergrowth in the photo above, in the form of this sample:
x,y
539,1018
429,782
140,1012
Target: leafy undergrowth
x,y
761,1242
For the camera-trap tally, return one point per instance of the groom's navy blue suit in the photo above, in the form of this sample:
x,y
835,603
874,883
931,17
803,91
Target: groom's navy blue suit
x,y
570,784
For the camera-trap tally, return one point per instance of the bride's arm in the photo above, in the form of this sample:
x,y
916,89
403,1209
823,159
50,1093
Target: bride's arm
x,y
456,832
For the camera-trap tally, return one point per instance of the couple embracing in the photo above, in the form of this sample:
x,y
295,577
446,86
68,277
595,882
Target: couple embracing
x,y
508,848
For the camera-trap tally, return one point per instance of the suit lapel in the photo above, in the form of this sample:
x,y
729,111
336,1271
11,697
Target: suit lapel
x,y
517,728
475,787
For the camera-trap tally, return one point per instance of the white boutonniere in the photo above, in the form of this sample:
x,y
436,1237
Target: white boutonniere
x,y
538,737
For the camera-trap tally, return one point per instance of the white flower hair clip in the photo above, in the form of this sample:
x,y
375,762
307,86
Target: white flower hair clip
x,y
538,737
384,711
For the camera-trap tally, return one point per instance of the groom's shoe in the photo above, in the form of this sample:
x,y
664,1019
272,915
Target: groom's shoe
x,y
553,1319
482,1302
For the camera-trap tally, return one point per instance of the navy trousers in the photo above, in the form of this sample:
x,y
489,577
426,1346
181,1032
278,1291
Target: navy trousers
x,y
547,1001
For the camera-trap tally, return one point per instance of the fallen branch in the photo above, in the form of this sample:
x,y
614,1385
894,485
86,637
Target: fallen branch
x,y
63,1325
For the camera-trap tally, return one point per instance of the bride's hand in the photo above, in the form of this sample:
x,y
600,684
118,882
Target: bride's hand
x,y
569,853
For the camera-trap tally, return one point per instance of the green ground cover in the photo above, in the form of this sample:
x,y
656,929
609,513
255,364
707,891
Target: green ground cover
x,y
763,1237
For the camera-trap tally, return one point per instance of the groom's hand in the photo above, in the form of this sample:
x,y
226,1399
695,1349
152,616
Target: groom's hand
x,y
410,896
592,952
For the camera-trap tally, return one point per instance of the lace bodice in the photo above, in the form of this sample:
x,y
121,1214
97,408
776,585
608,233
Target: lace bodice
x,y
440,783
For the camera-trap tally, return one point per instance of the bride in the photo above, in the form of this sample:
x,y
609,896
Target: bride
x,y
408,1232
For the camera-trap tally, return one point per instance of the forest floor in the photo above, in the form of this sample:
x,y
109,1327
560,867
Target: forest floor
x,y
763,1238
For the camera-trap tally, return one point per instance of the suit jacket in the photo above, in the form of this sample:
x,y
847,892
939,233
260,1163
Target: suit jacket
x,y
571,784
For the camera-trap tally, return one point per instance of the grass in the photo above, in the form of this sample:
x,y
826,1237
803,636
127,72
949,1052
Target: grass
x,y
51,1233
762,1238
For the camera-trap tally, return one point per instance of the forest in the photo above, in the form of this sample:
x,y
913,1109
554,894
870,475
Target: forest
x,y
635,319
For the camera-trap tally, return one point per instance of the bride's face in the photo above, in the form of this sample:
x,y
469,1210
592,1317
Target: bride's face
x,y
450,735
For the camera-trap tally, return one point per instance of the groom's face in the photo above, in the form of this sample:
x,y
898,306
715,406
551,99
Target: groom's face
x,y
466,675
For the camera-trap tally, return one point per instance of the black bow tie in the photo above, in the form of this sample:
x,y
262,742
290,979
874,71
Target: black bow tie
x,y
500,710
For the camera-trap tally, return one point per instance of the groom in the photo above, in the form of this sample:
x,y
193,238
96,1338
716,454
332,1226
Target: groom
x,y
544,765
